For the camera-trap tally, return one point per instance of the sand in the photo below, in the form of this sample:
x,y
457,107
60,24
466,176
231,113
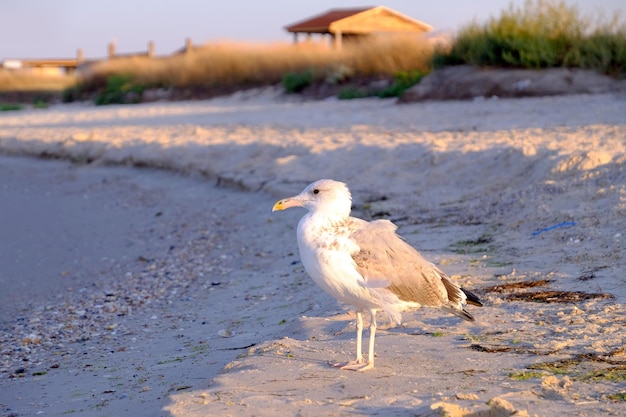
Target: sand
x,y
144,274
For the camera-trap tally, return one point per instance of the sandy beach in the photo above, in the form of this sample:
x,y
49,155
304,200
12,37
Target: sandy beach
x,y
143,273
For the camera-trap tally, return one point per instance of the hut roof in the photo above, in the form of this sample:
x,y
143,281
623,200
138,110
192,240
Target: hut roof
x,y
359,21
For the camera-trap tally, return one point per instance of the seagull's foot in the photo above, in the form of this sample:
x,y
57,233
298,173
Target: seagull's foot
x,y
358,366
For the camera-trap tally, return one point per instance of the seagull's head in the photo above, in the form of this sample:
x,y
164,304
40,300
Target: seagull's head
x,y
326,196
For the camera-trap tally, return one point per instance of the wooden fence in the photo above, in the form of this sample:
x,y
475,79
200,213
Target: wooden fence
x,y
70,65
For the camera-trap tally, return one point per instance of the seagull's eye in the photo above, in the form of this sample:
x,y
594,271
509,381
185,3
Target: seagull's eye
x,y
316,191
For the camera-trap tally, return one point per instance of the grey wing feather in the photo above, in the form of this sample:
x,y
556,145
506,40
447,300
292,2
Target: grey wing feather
x,y
384,256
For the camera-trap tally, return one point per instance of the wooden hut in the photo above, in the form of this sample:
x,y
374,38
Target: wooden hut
x,y
352,23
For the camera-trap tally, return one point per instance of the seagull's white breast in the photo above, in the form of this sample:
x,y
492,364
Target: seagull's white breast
x,y
326,251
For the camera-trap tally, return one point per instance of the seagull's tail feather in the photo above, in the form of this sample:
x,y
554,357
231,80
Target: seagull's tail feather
x,y
459,312
472,298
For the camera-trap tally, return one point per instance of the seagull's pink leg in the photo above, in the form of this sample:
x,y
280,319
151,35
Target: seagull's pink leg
x,y
370,354
359,337
359,365
359,342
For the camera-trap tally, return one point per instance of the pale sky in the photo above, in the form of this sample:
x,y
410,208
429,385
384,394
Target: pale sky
x,y
57,28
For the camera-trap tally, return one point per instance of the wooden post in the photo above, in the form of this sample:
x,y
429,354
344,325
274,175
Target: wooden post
x,y
80,56
338,40
188,45
150,49
111,50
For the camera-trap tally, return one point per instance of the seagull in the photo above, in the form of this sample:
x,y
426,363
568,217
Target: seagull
x,y
366,264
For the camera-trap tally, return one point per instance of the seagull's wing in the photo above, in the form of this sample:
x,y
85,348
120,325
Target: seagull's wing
x,y
384,257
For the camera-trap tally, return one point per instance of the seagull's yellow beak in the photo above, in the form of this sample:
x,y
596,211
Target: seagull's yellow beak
x,y
286,203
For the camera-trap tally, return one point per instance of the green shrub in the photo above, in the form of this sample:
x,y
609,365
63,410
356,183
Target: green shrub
x,y
394,90
40,104
10,106
352,92
295,82
541,34
120,89
403,81
601,51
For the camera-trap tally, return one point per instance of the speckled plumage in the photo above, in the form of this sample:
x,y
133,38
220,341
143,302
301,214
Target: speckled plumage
x,y
366,264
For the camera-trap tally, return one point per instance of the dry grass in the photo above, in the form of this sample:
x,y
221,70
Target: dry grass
x,y
227,66
214,64
11,81
389,56
223,64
